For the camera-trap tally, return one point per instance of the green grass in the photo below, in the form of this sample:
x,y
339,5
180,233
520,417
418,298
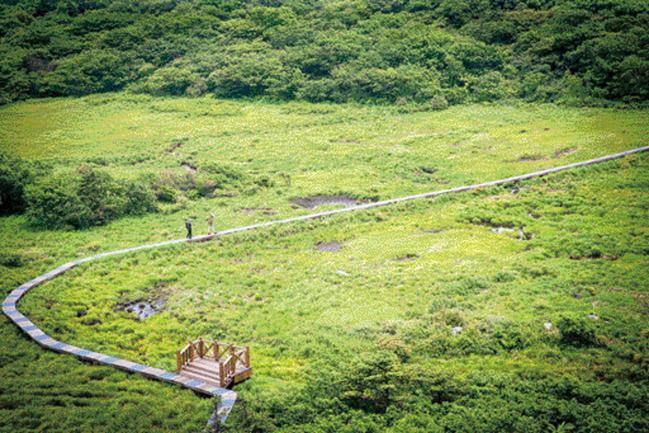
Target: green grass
x,y
316,321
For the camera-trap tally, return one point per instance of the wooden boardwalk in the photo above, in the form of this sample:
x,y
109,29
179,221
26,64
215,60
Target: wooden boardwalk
x,y
219,364
205,384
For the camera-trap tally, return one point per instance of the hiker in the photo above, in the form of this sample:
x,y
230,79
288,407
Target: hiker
x,y
188,226
210,224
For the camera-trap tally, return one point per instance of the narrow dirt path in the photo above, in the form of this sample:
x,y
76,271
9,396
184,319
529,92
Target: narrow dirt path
x,y
227,397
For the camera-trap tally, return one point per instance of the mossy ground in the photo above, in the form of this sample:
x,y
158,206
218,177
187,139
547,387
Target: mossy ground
x,y
405,277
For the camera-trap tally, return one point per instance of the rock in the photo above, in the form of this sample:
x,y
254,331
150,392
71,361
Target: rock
x,y
547,326
593,316
343,273
456,330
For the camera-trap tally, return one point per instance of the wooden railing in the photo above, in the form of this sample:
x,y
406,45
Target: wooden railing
x,y
229,357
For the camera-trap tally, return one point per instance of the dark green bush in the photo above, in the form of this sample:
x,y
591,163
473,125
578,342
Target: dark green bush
x,y
510,335
11,260
140,198
577,332
378,51
84,199
372,382
53,202
173,80
90,71
15,174
384,395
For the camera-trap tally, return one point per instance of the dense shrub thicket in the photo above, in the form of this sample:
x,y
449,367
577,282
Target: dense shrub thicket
x,y
431,52
89,196
380,392
15,174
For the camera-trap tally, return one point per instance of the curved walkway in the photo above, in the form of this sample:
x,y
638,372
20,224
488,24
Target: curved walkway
x,y
227,397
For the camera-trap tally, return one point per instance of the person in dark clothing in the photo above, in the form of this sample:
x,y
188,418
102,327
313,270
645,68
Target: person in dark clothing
x,y
188,226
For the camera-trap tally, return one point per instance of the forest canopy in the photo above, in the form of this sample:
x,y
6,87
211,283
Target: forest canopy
x,y
431,52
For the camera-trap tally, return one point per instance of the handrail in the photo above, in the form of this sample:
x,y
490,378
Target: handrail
x,y
216,350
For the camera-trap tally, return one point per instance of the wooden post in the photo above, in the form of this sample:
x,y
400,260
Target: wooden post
x,y
247,356
191,351
216,350
201,347
179,363
221,375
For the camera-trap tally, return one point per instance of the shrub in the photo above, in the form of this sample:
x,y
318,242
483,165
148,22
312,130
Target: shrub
x,y
576,332
168,184
53,202
510,335
408,82
89,72
254,70
372,382
15,174
140,198
173,80
87,198
11,260
104,197
490,87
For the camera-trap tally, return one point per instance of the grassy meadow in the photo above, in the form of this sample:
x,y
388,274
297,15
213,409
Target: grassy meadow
x,y
518,308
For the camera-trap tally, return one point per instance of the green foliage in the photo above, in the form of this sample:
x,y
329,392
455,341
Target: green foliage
x,y
89,72
15,174
357,340
368,51
172,80
89,198
372,382
54,202
577,332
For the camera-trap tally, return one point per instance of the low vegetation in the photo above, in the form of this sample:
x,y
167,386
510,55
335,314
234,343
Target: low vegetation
x,y
519,308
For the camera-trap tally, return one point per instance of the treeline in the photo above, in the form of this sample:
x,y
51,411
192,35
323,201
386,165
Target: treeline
x,y
435,52
89,196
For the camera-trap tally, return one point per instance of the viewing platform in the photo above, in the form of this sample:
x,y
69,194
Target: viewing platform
x,y
218,364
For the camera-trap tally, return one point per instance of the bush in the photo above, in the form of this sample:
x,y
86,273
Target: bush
x,y
372,382
249,70
88,198
15,174
140,198
173,80
576,332
335,51
510,335
104,197
53,202
490,87
408,82
90,72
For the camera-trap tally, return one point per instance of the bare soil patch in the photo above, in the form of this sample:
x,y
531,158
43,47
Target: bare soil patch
x,y
176,144
329,247
141,308
189,167
261,210
529,158
407,257
563,152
